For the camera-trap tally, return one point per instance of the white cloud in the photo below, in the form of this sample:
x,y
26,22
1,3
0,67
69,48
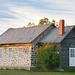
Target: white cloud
x,y
31,14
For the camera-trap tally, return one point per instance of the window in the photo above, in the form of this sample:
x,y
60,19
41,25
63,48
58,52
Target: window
x,y
10,52
72,52
72,57
0,53
20,52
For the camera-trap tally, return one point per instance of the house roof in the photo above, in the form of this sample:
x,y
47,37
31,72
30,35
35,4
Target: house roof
x,y
22,35
53,35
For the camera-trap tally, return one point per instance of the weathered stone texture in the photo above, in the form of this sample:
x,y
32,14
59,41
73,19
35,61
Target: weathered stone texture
x,y
67,43
15,61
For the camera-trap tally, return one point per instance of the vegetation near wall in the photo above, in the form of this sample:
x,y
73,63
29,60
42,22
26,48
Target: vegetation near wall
x,y
48,56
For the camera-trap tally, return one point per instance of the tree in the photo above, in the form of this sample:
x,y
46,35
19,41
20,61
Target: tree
x,y
55,23
33,24
44,21
47,56
30,24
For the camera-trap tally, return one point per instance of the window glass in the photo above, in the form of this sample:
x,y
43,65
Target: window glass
x,y
0,53
10,52
20,52
72,52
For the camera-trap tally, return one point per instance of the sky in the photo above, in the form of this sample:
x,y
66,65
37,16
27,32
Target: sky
x,y
17,13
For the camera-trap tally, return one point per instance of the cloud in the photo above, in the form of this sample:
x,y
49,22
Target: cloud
x,y
17,13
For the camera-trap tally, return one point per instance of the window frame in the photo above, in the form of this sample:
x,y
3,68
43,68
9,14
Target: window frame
x,y
72,52
1,53
9,52
72,57
20,52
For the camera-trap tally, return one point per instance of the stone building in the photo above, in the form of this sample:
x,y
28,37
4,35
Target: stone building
x,y
17,44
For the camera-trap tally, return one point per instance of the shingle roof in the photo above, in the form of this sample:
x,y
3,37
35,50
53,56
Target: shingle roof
x,y
53,35
22,35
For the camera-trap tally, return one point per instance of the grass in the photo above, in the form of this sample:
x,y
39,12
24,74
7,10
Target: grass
x,y
23,72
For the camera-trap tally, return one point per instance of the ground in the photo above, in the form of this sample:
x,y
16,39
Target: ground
x,y
22,72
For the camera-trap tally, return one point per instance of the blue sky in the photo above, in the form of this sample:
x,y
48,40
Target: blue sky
x,y
17,13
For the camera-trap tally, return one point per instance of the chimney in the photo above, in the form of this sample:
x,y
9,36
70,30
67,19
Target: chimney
x,y
61,27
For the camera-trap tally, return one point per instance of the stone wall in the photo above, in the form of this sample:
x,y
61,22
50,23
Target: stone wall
x,y
67,43
28,57
15,61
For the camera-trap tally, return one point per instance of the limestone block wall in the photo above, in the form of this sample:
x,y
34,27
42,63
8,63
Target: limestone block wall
x,y
15,61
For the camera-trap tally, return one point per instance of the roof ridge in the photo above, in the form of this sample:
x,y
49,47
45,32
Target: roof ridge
x,y
28,35
31,26
44,31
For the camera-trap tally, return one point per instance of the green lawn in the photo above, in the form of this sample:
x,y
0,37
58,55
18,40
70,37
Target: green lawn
x,y
21,72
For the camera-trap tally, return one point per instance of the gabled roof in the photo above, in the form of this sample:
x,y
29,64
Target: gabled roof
x,y
53,35
22,35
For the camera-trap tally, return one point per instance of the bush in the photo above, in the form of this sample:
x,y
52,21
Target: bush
x,y
70,69
40,69
47,56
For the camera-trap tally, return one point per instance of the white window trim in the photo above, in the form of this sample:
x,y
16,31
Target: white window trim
x,y
69,56
2,53
8,53
70,49
21,52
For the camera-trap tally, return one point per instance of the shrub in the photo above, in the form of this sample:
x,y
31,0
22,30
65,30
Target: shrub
x,y
70,69
47,56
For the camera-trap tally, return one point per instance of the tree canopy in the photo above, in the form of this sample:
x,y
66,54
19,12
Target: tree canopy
x,y
30,24
43,21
